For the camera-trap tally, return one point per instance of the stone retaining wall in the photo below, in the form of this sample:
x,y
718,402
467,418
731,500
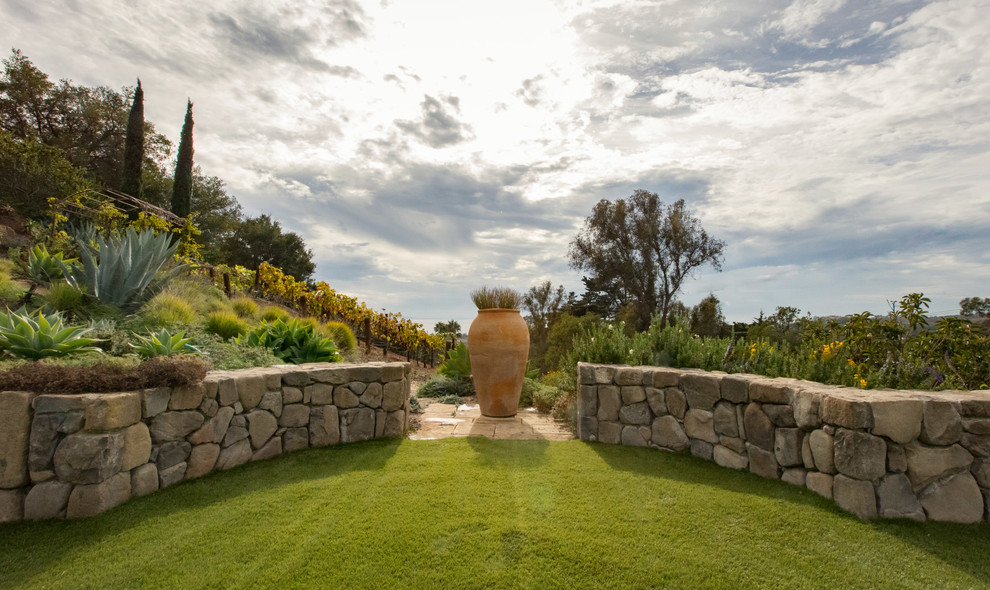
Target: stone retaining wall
x,y
68,456
876,453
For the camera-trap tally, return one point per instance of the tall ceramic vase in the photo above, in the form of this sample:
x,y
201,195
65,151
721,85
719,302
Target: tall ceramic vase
x,y
498,342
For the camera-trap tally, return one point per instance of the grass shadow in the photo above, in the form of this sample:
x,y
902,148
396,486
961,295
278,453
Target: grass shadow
x,y
504,453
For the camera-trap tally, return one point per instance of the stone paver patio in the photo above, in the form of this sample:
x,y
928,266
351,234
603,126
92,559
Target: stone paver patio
x,y
445,420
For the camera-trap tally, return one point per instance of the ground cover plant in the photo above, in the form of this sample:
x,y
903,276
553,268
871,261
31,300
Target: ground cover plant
x,y
476,513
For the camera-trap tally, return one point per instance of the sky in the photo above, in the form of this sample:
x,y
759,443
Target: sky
x,y
840,149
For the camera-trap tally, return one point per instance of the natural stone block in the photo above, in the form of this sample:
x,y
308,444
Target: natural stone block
x,y
187,397
392,372
372,396
357,424
981,471
665,377
780,415
155,401
941,423
823,450
170,426
860,455
849,413
628,376
656,400
47,500
344,398
272,448
609,403
112,411
295,439
262,425
632,394
588,427
296,379
736,444
293,395
272,402
294,415
976,425
667,432
727,457
762,462
587,399
897,419
735,388
787,446
171,475
380,422
896,458
393,396
334,375
234,455
676,402
927,464
956,499
976,407
724,419
324,426
897,499
701,390
609,432
807,405
759,429
395,424
235,434
357,387
227,392
144,479
820,483
87,458
702,450
856,496
699,424
250,390
137,446
796,476
15,433
215,429
633,436
637,413
770,391
202,460
172,453
11,505
604,374
807,457
90,500
209,407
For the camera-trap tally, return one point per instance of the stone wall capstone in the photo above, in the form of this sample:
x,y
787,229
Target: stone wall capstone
x,y
69,456
877,453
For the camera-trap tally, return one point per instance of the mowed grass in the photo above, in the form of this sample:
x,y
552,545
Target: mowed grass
x,y
475,513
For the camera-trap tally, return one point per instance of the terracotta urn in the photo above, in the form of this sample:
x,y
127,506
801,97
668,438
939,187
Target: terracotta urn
x,y
498,342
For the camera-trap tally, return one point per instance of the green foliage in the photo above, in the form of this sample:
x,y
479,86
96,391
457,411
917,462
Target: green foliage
x,y
34,336
182,183
271,313
457,365
293,342
31,172
974,306
45,268
414,406
244,307
65,298
164,344
261,239
225,324
439,386
134,147
121,270
342,336
496,298
168,309
449,399
228,355
10,292
560,340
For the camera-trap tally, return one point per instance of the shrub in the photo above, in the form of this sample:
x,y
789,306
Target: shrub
x,y
10,291
440,386
225,324
65,298
123,270
294,341
414,406
244,307
224,356
458,363
496,298
272,313
107,375
168,309
44,268
34,336
342,336
449,399
544,398
164,344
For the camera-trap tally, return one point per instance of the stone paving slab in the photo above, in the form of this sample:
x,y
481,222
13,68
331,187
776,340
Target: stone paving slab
x,y
448,420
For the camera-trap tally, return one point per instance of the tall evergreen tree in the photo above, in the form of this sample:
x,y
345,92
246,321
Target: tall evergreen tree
x,y
134,147
182,186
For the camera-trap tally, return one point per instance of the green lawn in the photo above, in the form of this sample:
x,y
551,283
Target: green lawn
x,y
463,513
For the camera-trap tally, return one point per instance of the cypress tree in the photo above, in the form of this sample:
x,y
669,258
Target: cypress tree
x,y
182,187
134,147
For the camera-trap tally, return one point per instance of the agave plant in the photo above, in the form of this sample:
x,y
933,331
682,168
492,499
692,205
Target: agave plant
x,y
293,342
164,344
44,268
34,336
121,270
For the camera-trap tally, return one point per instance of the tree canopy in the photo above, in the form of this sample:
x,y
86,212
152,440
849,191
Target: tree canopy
x,y
261,239
647,247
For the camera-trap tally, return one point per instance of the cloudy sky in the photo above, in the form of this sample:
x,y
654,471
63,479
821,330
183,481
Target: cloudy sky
x,y
840,148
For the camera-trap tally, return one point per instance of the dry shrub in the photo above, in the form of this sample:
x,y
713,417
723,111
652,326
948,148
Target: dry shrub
x,y
104,377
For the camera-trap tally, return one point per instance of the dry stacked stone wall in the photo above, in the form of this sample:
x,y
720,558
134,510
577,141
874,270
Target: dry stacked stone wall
x,y
876,453
68,456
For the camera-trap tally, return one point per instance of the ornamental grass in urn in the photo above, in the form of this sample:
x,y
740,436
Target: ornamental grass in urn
x,y
498,343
